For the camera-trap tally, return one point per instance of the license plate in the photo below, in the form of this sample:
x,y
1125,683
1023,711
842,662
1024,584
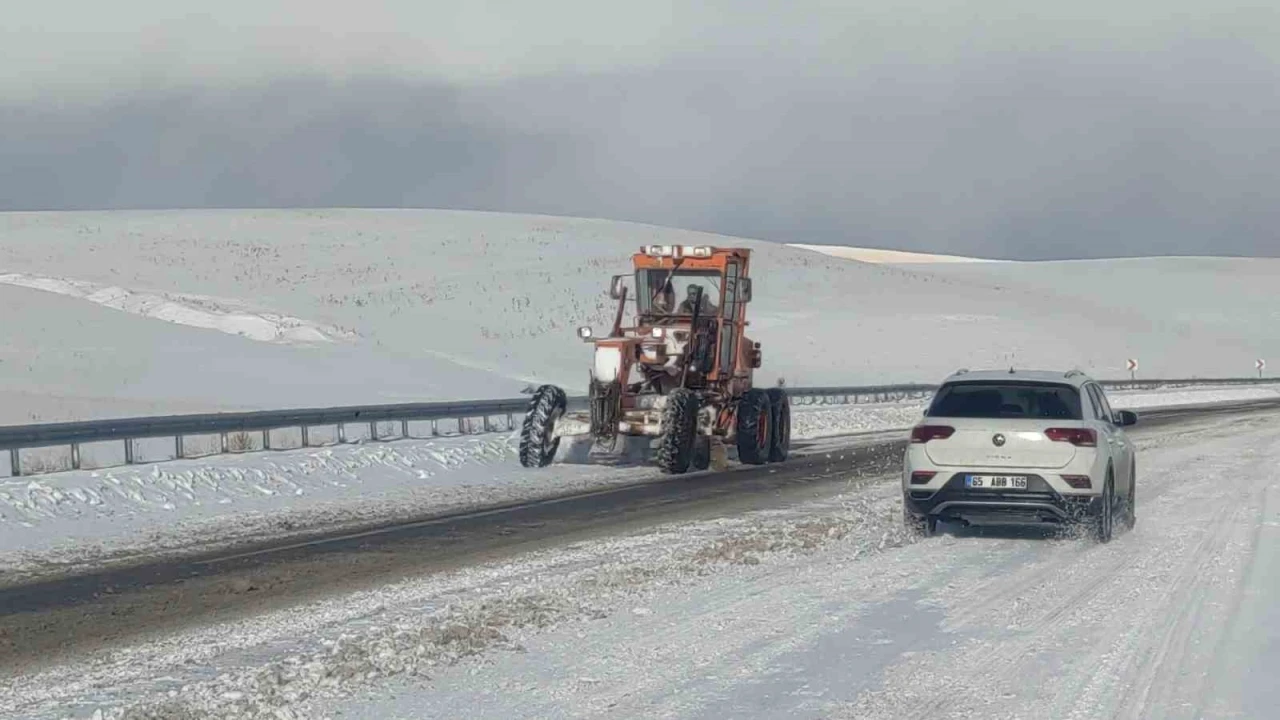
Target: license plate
x,y
996,482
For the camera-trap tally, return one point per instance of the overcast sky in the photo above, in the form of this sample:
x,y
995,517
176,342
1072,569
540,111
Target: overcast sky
x,y
987,128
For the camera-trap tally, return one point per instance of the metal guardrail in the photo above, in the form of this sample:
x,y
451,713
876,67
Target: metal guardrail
x,y
128,430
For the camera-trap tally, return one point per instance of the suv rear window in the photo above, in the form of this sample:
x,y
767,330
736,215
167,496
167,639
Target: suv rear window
x,y
1006,400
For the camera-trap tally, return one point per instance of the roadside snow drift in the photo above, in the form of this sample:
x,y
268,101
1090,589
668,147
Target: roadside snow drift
x,y
425,304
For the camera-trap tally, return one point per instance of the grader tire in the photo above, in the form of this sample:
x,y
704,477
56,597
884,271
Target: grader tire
x,y
538,442
679,432
755,418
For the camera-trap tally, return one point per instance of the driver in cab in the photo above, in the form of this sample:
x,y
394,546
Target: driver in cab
x,y
705,308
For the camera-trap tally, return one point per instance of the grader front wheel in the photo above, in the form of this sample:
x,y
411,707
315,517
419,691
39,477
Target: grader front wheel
x,y
538,441
679,432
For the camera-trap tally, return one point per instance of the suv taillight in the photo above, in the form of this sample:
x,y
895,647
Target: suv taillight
x,y
1079,482
1080,437
925,433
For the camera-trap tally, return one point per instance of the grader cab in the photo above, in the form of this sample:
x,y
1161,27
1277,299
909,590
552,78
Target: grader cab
x,y
681,371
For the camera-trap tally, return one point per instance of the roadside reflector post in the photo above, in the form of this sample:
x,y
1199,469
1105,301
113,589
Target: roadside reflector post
x,y
15,462
306,439
128,449
177,447
511,422
435,431
404,429
222,439
342,433
485,423
266,439
461,426
75,456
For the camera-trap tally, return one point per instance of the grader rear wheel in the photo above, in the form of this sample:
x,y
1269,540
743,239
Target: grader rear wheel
x,y
755,418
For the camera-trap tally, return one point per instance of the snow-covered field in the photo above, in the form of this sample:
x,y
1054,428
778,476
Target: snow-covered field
x,y
798,610
113,313
68,520
818,610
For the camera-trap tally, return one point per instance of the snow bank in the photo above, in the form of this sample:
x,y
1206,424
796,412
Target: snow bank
x,y
1135,400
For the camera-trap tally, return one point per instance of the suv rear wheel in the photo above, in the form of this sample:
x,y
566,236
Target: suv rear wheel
x,y
920,525
1131,504
1104,523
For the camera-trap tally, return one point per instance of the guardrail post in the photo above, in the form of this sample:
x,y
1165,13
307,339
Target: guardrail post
x,y
485,424
224,443
266,439
511,422
461,428
373,430
15,462
435,431
306,440
128,451
404,429
177,446
75,456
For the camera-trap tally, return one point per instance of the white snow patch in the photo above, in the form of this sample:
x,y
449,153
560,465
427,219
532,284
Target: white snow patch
x,y
1134,400
881,256
180,309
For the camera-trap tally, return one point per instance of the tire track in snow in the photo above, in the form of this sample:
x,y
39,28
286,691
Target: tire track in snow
x,y
1168,666
1110,612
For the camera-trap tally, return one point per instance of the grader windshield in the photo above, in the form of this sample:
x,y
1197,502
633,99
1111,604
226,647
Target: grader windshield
x,y
666,292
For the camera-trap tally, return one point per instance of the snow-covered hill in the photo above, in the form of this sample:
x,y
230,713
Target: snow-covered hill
x,y
137,312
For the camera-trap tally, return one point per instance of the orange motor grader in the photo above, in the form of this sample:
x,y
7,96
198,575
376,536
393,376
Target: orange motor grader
x,y
680,372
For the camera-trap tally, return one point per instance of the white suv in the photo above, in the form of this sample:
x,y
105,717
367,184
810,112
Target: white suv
x,y
1020,446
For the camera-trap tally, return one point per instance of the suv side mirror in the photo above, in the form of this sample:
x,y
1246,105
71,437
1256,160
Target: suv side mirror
x,y
744,290
615,287
1126,418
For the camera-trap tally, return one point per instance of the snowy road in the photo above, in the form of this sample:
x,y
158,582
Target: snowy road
x,y
812,605
1174,620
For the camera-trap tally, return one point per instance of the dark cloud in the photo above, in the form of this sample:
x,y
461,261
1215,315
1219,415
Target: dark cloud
x,y
1045,155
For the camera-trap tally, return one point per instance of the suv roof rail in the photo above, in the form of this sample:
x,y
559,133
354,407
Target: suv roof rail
x,y
1073,373
961,371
